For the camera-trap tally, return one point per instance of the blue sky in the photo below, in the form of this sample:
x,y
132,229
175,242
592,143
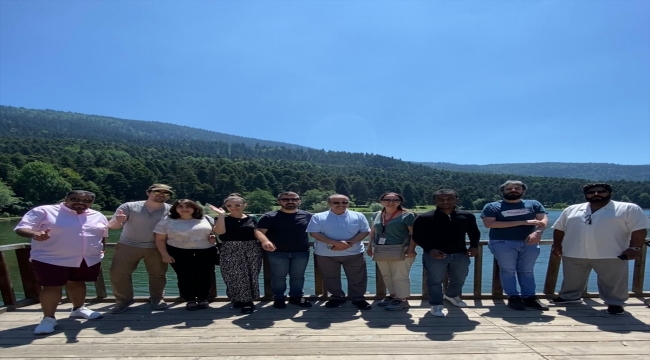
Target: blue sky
x,y
469,82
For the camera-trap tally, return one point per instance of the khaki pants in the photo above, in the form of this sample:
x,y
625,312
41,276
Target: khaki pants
x,y
355,271
611,275
396,275
126,260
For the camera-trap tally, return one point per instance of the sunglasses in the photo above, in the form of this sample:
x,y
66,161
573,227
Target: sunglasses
x,y
340,202
77,200
391,200
593,192
231,205
289,200
588,219
160,192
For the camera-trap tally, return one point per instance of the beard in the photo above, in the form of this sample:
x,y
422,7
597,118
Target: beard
x,y
289,206
513,196
599,199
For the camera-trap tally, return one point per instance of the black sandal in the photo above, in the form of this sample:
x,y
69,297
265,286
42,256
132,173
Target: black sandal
x,y
204,304
249,308
191,305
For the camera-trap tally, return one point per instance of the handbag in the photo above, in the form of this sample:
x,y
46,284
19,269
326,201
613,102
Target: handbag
x,y
217,245
388,252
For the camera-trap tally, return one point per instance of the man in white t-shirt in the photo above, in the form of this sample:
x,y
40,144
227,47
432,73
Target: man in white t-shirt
x,y
600,235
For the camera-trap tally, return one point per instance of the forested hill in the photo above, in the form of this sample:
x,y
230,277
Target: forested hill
x,y
52,123
593,171
37,168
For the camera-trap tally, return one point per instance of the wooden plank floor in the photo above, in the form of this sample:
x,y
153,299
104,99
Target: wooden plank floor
x,y
487,330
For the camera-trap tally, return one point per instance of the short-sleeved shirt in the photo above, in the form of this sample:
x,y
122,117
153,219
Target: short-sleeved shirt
x,y
73,237
239,229
138,228
186,234
287,231
396,230
607,236
519,211
338,227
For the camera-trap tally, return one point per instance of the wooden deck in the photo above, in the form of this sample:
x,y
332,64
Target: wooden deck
x,y
487,329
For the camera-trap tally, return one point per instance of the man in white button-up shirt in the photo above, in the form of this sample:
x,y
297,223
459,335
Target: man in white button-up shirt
x,y
599,234
67,249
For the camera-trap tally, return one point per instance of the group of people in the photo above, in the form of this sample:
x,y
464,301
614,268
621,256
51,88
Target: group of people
x,y
68,241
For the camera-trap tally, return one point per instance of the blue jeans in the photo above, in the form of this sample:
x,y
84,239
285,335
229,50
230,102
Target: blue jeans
x,y
282,264
516,262
458,267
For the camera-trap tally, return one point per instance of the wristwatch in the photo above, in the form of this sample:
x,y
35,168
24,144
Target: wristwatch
x,y
634,248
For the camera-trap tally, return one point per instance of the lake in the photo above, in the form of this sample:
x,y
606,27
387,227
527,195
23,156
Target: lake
x,y
7,236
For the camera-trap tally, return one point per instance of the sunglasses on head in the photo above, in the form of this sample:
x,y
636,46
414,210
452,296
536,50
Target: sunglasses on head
x,y
161,192
290,199
340,202
78,200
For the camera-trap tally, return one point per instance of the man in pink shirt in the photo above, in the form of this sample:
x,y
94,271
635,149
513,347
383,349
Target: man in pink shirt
x,y
67,249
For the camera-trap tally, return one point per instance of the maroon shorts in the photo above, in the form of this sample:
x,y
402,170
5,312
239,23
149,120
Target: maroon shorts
x,y
55,275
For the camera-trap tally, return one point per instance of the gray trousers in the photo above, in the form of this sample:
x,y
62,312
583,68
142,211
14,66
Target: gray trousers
x,y
355,271
612,275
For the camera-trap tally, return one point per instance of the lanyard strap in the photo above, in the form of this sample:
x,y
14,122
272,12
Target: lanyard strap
x,y
384,222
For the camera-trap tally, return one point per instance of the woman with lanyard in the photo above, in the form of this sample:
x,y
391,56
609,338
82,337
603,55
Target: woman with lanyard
x,y
391,230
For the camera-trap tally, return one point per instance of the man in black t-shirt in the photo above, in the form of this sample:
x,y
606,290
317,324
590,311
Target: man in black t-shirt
x,y
289,253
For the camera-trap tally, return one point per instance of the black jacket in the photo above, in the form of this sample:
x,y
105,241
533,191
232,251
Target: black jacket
x,y
437,230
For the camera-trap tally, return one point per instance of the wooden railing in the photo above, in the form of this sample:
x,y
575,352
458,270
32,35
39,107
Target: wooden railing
x,y
31,288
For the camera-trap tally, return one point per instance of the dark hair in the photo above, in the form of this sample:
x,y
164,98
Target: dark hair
x,y
197,214
587,187
80,192
234,196
288,193
512,182
445,192
401,199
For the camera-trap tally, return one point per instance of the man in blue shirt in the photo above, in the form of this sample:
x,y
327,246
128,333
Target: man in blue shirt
x,y
516,228
339,233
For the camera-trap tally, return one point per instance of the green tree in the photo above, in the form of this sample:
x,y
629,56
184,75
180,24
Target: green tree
x,y
311,197
644,200
320,207
7,196
360,191
40,183
409,196
342,186
259,201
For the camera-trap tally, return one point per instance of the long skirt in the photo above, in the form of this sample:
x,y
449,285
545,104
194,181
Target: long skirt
x,y
241,263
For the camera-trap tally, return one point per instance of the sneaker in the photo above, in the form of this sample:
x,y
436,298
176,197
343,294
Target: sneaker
x,y
516,303
456,301
387,301
334,303
533,302
362,305
279,304
397,304
203,304
121,307
615,310
46,326
191,306
300,301
438,311
86,313
158,304
561,301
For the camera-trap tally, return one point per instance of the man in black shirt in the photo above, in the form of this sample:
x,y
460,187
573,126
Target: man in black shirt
x,y
441,234
288,253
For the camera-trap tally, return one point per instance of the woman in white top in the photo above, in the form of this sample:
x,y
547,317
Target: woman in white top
x,y
185,241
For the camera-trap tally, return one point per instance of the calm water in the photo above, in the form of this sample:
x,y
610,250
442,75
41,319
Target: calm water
x,y
140,279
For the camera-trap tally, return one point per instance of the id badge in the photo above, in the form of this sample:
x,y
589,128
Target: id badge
x,y
382,241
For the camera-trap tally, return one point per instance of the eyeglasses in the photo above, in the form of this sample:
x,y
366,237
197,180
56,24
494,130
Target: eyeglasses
x,y
77,200
289,200
588,219
592,192
340,202
235,205
160,192
391,200
513,188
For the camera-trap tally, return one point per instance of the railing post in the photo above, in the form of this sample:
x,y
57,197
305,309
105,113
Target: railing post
x,y
100,285
638,275
478,272
380,286
30,284
425,290
552,271
213,284
6,287
268,292
319,286
497,290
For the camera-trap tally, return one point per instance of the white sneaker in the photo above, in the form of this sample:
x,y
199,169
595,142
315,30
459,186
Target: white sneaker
x,y
456,301
46,326
86,313
438,310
